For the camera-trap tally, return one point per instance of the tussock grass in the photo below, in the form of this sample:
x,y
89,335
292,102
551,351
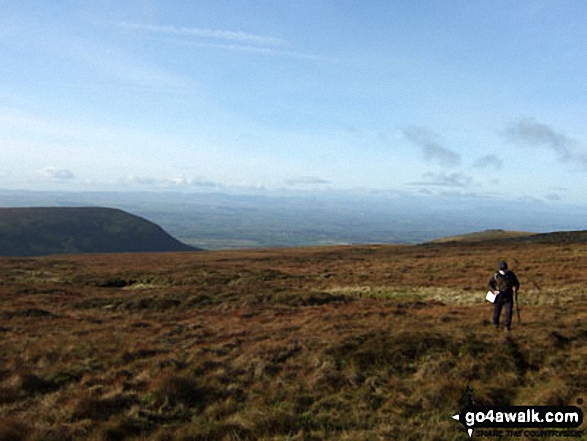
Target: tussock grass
x,y
407,294
530,297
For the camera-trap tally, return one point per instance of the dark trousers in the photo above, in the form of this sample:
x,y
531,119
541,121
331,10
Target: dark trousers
x,y
508,313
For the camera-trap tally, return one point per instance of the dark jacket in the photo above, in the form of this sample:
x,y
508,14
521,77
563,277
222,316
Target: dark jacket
x,y
506,283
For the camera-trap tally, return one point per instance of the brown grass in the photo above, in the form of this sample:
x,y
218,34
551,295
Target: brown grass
x,y
351,343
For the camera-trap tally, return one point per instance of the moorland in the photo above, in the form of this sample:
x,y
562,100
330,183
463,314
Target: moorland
x,y
365,342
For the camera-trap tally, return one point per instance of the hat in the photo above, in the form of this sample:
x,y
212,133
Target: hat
x,y
503,265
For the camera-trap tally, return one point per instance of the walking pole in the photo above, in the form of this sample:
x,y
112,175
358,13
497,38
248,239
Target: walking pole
x,y
518,309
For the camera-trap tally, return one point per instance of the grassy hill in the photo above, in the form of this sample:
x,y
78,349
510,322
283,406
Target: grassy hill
x,y
329,343
484,236
559,237
487,237
58,230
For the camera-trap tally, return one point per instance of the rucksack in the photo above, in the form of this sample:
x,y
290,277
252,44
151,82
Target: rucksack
x,y
503,282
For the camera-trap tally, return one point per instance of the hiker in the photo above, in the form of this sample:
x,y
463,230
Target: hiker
x,y
504,285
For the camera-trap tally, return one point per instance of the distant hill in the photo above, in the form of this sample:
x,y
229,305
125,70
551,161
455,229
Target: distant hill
x,y
59,230
485,235
558,237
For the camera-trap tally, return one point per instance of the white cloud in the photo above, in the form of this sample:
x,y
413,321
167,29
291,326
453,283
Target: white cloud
x,y
142,180
174,182
56,173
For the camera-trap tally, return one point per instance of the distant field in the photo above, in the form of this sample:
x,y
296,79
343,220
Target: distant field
x,y
337,343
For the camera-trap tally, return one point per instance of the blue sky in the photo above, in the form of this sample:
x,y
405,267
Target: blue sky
x,y
473,98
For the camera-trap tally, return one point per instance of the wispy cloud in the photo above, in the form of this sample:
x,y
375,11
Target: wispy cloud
x,y
530,133
432,148
457,180
257,50
223,39
242,37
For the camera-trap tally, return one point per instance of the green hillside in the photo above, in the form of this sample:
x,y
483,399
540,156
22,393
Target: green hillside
x,y
58,230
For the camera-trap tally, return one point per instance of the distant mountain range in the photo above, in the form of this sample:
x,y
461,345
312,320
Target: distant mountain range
x,y
68,230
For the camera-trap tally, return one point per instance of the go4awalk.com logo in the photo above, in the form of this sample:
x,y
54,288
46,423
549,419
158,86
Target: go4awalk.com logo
x,y
499,421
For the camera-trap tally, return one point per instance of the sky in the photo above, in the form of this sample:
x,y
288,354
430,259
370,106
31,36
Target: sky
x,y
479,98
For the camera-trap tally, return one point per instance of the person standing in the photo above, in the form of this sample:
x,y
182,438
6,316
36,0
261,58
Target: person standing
x,y
504,285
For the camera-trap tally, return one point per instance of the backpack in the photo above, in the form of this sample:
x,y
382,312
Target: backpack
x,y
503,282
